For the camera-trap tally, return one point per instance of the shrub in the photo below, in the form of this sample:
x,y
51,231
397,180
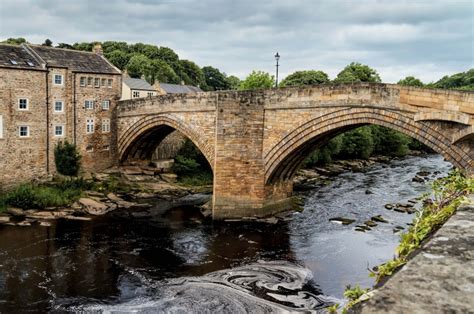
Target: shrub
x,y
67,159
27,196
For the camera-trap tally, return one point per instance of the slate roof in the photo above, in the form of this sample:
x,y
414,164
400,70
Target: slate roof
x,y
179,89
78,61
11,54
136,83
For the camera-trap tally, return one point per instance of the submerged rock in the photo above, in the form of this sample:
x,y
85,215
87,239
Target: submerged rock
x,y
418,179
379,218
93,207
389,206
423,173
342,220
370,223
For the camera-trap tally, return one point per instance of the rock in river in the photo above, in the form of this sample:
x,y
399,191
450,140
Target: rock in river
x,y
342,220
379,218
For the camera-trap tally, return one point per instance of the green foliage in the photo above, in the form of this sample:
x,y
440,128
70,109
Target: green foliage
x,y
234,82
325,154
47,43
109,46
214,79
15,41
389,142
411,81
191,73
67,159
83,46
64,46
184,165
257,80
137,65
333,308
354,293
160,71
301,78
357,143
119,58
357,72
447,195
191,166
463,81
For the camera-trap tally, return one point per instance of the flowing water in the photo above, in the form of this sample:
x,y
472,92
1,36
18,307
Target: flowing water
x,y
177,262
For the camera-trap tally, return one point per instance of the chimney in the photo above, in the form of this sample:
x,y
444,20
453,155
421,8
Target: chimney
x,y
98,49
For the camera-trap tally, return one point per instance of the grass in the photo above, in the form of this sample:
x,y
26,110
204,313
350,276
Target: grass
x,y
196,179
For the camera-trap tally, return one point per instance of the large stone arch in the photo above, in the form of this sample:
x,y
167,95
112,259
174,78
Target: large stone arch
x,y
141,138
283,159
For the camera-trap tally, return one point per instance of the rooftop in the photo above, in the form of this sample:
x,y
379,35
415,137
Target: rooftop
x,y
17,57
136,83
179,89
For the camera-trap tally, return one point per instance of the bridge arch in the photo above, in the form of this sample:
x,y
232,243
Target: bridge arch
x,y
140,139
285,158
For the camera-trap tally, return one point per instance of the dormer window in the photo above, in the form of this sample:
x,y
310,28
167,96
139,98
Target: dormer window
x,y
13,62
31,64
58,79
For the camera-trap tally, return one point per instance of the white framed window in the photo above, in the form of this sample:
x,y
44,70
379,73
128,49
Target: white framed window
x,y
82,81
97,82
89,81
89,104
1,126
105,125
59,130
103,82
24,131
22,104
58,106
90,126
150,94
109,83
135,94
105,105
57,79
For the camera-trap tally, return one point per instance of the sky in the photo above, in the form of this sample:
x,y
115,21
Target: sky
x,y
426,39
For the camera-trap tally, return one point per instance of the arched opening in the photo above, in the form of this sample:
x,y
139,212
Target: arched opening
x,y
287,156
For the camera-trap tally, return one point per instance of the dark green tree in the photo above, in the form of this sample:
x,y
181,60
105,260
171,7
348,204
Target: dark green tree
x,y
138,65
47,43
463,80
119,58
168,55
215,80
109,46
64,46
257,80
162,72
83,46
234,82
15,41
357,143
357,72
67,159
411,81
300,78
389,142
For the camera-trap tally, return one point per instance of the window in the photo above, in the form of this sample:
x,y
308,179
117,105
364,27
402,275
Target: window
x,y
89,148
24,131
89,81
83,81
58,79
150,94
89,104
106,105
1,126
105,125
97,82
90,126
59,130
13,62
31,64
58,106
106,147
110,83
135,94
23,104
104,82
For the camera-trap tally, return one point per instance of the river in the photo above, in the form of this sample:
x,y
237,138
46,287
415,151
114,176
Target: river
x,y
178,262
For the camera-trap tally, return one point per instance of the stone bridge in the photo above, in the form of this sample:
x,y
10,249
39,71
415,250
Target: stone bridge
x,y
255,141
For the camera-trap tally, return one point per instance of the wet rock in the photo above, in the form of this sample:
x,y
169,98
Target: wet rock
x,y
370,223
418,179
367,192
308,173
412,201
45,224
400,210
94,194
423,173
16,212
169,177
206,209
360,229
342,220
23,224
144,195
71,217
389,206
113,197
366,228
131,170
271,220
378,218
93,207
4,219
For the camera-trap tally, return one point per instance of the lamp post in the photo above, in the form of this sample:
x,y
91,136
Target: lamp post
x,y
277,58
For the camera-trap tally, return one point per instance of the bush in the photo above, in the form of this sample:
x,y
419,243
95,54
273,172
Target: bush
x,y
67,159
28,196
357,143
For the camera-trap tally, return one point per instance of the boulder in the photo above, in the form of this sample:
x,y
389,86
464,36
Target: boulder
x,y
113,197
4,219
418,179
378,218
94,193
93,207
342,220
423,173
169,177
206,209
17,212
131,170
389,206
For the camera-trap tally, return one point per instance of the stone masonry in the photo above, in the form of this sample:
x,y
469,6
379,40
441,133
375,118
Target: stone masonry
x,y
255,141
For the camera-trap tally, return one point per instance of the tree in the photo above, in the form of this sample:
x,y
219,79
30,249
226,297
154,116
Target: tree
x,y
357,72
83,46
191,73
168,55
64,46
109,46
138,65
15,41
47,43
118,58
411,81
257,80
163,72
67,159
234,82
215,80
463,80
300,78
389,142
357,143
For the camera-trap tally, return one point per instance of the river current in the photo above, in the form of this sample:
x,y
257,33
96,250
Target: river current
x,y
178,262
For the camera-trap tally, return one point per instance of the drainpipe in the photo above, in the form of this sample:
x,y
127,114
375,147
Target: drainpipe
x,y
47,119
74,108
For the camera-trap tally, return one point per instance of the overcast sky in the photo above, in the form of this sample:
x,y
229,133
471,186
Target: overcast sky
x,y
427,39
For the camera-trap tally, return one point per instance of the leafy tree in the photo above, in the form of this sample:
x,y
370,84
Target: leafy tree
x,y
411,81
215,80
357,72
326,153
234,82
162,72
67,159
138,65
389,142
119,58
357,143
109,46
300,78
168,55
47,43
257,80
191,73
83,46
64,46
463,80
15,41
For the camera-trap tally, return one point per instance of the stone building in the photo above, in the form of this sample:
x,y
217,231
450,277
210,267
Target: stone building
x,y
136,88
49,95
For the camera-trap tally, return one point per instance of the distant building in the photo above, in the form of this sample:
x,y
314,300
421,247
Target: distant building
x,y
136,88
49,95
164,88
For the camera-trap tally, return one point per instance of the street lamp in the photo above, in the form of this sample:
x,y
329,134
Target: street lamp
x,y
277,58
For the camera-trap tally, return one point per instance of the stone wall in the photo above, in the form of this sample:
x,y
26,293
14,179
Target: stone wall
x,y
169,147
